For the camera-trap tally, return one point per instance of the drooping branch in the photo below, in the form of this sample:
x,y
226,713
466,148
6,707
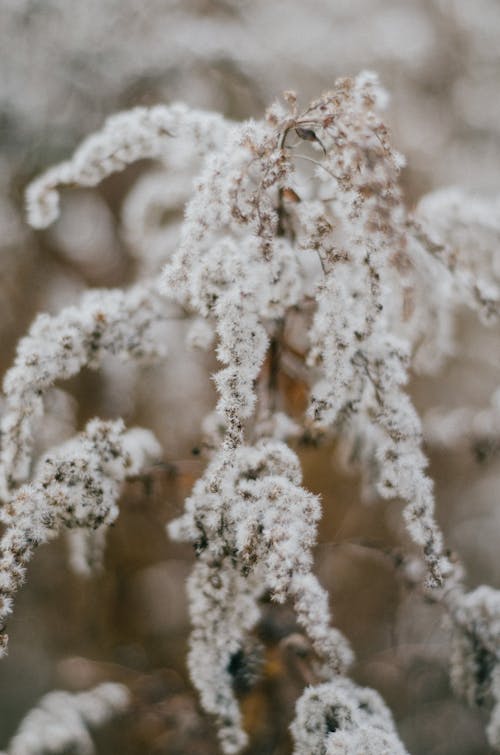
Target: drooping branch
x,y
123,323
75,486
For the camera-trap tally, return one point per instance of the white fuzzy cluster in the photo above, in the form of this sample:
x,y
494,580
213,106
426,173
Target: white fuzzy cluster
x,y
253,527
358,346
230,265
458,222
475,651
340,718
126,137
123,323
61,721
74,486
400,458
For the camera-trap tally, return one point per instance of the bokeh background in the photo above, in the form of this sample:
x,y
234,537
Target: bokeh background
x,y
65,66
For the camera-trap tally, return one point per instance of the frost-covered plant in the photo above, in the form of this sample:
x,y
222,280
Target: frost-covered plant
x,y
296,245
74,486
253,526
61,721
56,348
340,718
475,653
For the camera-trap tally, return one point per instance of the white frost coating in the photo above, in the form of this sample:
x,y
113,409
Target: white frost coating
x,y
402,462
123,323
75,486
475,653
61,720
462,221
340,718
356,340
231,267
376,289
87,546
253,527
134,135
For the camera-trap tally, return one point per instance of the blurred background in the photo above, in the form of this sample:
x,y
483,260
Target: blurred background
x,y
66,66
